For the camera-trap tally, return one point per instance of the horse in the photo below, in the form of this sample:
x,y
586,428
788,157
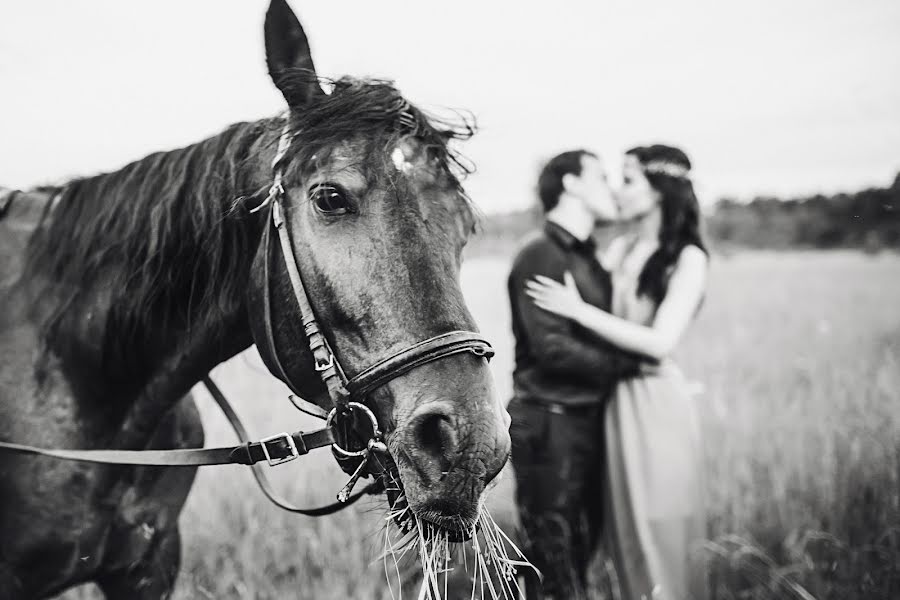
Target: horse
x,y
128,287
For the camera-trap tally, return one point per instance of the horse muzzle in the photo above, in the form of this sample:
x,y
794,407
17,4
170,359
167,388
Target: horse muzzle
x,y
447,453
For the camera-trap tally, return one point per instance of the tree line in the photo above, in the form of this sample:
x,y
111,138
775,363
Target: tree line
x,y
868,219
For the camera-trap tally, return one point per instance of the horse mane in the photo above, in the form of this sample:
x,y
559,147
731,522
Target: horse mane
x,y
170,221
157,225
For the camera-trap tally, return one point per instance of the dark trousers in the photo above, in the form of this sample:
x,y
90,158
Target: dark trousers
x,y
558,458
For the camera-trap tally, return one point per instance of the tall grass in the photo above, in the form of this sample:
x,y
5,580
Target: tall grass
x,y
799,357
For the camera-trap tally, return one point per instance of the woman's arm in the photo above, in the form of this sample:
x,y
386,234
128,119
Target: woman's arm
x,y
655,341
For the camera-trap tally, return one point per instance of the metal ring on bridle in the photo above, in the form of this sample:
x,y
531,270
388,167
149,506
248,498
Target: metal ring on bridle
x,y
376,433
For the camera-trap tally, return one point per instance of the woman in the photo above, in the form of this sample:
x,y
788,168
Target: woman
x,y
655,487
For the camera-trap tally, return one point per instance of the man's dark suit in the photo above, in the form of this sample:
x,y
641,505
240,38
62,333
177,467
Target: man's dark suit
x,y
562,380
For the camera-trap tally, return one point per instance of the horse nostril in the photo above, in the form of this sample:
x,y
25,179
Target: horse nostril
x,y
435,437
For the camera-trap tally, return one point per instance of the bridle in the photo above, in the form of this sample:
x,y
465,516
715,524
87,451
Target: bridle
x,y
348,395
342,390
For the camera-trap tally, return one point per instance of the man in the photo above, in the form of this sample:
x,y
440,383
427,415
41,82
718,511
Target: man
x,y
562,378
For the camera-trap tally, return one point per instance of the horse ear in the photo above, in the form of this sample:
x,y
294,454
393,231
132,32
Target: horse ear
x,y
287,52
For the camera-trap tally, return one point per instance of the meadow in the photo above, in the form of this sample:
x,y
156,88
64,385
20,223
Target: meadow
x,y
797,361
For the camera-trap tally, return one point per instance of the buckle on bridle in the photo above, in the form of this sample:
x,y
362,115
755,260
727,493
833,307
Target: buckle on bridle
x,y
290,443
324,366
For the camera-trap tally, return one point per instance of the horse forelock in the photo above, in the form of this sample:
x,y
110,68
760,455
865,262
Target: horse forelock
x,y
375,111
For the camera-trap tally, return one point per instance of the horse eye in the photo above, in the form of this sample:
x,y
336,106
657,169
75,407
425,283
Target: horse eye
x,y
330,199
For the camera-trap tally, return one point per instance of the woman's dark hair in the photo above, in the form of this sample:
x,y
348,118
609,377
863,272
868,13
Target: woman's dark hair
x,y
550,182
668,171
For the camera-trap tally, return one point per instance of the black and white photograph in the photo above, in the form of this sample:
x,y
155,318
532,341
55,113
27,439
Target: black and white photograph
x,y
327,300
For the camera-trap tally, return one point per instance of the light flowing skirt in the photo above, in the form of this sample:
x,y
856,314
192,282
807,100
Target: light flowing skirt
x,y
655,488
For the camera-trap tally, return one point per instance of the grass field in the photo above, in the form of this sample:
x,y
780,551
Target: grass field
x,y
799,356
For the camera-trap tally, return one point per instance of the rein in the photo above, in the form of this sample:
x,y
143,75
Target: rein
x,y
274,450
348,396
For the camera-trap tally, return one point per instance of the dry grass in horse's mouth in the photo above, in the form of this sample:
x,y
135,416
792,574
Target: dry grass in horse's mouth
x,y
493,570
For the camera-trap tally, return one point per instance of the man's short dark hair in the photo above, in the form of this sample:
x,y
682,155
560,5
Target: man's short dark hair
x,y
550,182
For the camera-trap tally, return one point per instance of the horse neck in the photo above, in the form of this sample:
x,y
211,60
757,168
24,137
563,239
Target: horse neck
x,y
147,270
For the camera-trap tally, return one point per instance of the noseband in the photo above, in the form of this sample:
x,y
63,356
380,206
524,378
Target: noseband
x,y
341,390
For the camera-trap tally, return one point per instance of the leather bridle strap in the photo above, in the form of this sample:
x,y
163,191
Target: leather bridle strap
x,y
274,450
325,362
271,352
278,448
453,342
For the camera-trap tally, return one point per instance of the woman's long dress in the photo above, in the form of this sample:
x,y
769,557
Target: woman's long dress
x,y
655,485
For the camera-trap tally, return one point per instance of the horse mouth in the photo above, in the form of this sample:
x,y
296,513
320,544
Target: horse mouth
x,y
454,529
431,523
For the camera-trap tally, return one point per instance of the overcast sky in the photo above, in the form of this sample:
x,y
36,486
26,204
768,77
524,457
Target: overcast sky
x,y
767,96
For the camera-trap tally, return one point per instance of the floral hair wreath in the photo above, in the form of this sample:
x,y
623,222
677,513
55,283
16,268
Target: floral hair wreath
x,y
663,167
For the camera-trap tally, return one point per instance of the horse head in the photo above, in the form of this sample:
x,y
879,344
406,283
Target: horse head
x,y
377,220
